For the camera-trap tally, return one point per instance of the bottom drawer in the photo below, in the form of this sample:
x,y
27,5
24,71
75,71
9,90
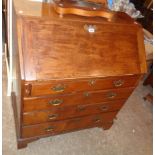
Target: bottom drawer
x,y
56,127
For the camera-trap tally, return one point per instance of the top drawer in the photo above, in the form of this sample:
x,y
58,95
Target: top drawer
x,y
68,86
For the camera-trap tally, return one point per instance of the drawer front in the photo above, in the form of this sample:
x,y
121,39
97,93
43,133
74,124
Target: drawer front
x,y
68,86
67,125
36,117
31,104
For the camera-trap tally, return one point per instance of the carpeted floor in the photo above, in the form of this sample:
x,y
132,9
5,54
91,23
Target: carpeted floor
x,y
131,133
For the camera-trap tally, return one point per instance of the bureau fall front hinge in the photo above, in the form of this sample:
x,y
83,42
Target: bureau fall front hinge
x,y
28,88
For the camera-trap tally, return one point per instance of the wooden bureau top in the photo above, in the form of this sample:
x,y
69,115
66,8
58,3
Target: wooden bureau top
x,y
52,47
35,8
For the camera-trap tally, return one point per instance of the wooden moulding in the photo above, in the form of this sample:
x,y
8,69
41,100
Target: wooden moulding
x,y
141,49
87,9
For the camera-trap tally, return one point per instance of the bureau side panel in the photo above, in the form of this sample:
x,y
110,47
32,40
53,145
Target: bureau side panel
x,y
17,76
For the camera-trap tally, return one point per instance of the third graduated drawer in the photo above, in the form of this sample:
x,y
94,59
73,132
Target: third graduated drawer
x,y
40,88
89,97
56,113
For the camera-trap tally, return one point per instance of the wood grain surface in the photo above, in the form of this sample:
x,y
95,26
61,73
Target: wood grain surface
x,y
57,127
58,113
53,50
89,97
41,88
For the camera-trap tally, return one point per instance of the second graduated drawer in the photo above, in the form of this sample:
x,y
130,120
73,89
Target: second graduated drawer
x,y
42,103
36,117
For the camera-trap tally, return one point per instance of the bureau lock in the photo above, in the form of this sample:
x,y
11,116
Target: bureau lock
x,y
86,94
81,107
104,108
90,28
92,82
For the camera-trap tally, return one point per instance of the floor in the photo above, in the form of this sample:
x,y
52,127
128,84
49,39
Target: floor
x,y
131,133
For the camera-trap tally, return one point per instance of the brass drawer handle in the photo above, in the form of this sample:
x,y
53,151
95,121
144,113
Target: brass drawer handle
x,y
90,28
52,116
92,82
104,108
118,83
58,88
97,120
49,129
56,102
111,95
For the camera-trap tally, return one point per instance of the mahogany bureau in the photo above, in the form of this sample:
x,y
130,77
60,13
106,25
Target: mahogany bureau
x,y
71,72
